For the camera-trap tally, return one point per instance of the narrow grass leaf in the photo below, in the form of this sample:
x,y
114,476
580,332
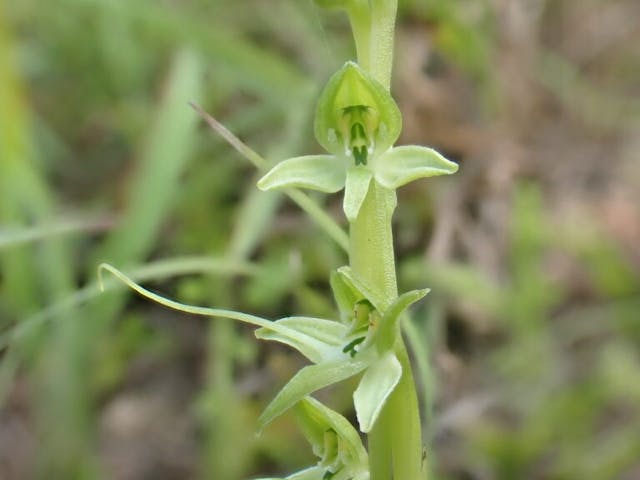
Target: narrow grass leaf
x,y
315,212
151,271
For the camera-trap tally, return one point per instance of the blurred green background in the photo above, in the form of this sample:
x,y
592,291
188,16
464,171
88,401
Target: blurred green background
x,y
527,350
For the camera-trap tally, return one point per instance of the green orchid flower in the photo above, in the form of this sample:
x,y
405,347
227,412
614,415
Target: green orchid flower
x,y
361,341
334,441
357,122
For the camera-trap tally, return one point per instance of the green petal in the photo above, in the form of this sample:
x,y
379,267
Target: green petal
x,y
310,379
375,387
315,338
324,173
353,87
355,190
402,165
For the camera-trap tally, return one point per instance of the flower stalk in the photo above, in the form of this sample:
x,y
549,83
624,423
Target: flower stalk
x,y
395,444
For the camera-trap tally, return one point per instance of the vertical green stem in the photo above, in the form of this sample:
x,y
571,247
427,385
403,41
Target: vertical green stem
x,y
371,242
360,20
383,20
395,443
373,24
403,413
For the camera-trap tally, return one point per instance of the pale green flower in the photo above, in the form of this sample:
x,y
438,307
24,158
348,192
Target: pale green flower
x,y
362,340
357,122
334,441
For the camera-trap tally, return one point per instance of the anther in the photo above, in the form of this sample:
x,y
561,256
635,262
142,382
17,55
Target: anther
x,y
360,154
350,347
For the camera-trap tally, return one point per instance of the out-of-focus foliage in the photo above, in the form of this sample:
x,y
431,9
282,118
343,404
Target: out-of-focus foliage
x,y
533,323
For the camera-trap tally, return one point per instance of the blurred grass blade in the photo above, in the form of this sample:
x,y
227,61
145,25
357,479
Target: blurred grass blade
x,y
251,67
158,270
155,182
314,211
12,237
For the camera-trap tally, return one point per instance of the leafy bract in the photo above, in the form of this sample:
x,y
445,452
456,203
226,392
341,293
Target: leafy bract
x,y
376,298
345,295
312,378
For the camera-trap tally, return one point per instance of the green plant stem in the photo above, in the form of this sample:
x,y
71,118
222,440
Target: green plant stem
x,y
371,242
395,443
383,20
403,414
360,20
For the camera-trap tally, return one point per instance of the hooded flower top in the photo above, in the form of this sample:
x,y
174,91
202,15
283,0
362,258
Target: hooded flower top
x,y
357,122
